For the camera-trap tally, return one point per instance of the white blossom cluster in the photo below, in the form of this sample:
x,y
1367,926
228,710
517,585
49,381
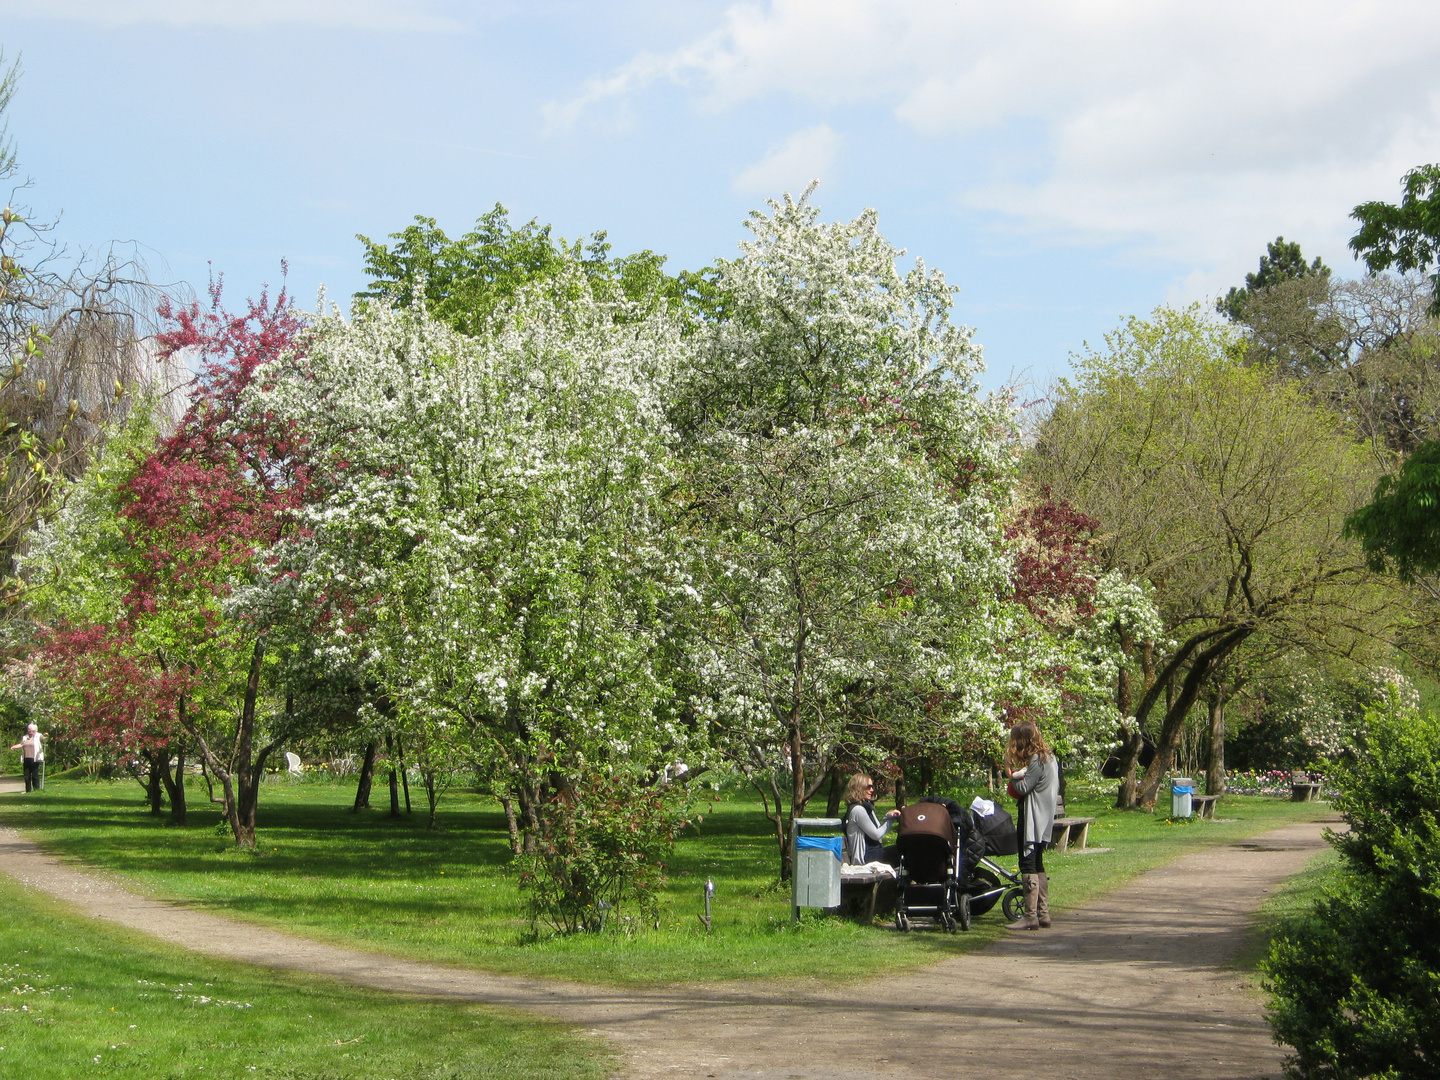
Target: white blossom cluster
x,y
548,543
491,548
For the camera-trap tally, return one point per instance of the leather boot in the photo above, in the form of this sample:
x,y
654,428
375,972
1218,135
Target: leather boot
x,y
1042,907
1030,883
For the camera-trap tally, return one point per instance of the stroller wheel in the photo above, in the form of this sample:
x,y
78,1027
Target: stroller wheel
x,y
965,912
902,922
983,881
1013,904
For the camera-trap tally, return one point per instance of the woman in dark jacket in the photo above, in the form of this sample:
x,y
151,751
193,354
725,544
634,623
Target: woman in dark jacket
x,y
1035,783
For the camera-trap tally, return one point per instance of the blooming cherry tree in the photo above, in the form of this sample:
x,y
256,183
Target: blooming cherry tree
x,y
492,550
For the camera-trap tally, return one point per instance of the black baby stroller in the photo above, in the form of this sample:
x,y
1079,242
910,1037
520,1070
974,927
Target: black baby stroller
x,y
979,882
929,874
985,880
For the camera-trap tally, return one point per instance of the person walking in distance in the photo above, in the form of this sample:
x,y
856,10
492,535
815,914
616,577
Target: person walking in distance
x,y
1035,783
32,750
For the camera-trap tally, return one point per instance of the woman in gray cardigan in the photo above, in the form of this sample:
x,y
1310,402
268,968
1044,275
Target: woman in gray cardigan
x,y
864,831
1035,783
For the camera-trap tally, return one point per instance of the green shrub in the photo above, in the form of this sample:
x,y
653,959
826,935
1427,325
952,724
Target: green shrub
x,y
1356,987
602,848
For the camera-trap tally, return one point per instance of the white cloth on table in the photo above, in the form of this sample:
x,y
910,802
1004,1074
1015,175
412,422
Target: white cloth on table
x,y
866,870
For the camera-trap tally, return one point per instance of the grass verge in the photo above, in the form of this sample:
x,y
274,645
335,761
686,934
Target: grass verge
x,y
392,885
79,999
1291,904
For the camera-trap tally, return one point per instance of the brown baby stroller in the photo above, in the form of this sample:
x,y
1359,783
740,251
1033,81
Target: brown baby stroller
x,y
929,875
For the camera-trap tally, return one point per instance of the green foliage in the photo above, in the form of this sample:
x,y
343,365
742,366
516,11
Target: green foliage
x,y
604,846
1400,526
1357,987
1222,486
1405,237
1282,261
465,280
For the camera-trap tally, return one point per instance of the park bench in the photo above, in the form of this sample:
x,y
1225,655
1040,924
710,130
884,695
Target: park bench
x,y
1070,831
863,893
1204,805
1303,791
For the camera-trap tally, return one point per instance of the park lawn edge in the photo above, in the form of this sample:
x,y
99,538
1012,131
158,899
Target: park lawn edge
x,y
917,951
567,1050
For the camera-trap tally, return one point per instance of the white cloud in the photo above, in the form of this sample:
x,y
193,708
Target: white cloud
x,y
805,156
381,15
1181,130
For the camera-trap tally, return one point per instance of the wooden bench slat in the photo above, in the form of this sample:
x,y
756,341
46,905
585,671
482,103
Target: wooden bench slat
x,y
1070,829
1205,804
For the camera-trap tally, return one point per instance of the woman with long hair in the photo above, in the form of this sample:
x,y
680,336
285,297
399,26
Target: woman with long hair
x,y
864,831
1035,783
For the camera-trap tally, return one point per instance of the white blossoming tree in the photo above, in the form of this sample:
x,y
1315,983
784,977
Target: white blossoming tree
x,y
845,477
491,550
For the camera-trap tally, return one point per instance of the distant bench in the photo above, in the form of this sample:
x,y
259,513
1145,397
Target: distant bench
x,y
1070,831
1204,805
1303,791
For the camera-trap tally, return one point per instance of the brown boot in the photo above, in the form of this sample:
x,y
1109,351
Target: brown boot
x,y
1030,883
1042,906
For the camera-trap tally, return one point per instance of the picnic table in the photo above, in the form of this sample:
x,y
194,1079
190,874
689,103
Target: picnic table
x,y
1303,791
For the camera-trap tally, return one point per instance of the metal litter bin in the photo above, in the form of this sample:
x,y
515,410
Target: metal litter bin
x,y
815,865
1181,789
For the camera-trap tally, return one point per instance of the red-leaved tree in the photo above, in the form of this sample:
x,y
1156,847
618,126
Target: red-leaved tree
x,y
197,515
121,699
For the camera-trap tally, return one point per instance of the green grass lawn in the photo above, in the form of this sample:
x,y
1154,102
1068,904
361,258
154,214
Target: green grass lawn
x,y
1293,902
394,886
78,998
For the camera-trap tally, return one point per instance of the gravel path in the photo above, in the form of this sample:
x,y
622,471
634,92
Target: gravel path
x,y
1141,984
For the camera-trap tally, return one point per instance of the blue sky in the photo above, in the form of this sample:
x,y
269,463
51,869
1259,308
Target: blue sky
x,y
1065,164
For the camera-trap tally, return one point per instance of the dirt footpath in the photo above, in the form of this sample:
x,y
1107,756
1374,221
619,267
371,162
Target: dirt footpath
x,y
1139,985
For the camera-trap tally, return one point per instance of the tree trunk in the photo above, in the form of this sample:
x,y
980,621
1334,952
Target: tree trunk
x,y
404,777
1132,741
927,776
511,825
1131,738
796,741
837,789
1215,772
154,791
367,777
394,779
246,775
528,795
432,796
784,829
902,793
1201,668
175,786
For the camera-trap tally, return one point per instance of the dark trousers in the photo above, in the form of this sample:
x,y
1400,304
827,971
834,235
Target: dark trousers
x,y
877,853
32,774
1032,852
